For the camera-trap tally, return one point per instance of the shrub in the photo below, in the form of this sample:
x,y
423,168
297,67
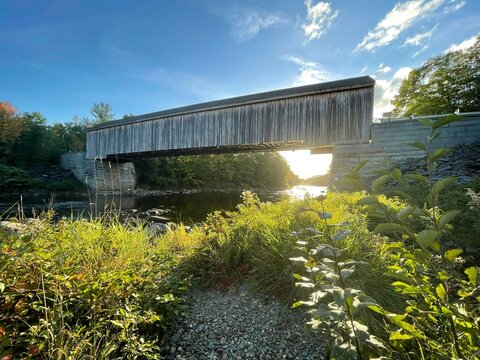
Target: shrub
x,y
86,289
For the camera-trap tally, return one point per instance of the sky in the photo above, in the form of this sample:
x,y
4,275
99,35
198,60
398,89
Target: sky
x,y
59,57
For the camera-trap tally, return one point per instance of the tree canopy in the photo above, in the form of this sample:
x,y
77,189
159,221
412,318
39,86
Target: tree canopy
x,y
102,112
11,126
443,84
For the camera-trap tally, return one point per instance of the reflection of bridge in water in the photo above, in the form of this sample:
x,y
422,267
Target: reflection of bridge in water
x,y
308,117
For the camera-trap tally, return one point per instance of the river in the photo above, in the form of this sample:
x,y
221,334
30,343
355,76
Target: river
x,y
190,207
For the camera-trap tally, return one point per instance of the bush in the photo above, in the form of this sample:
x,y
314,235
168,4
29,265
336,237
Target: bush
x,y
12,178
87,289
256,242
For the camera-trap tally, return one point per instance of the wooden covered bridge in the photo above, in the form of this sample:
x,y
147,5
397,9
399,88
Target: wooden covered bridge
x,y
307,117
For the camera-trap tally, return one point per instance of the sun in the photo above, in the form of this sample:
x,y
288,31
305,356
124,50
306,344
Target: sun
x,y
306,165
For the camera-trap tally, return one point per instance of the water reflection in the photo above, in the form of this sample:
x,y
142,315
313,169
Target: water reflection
x,y
187,208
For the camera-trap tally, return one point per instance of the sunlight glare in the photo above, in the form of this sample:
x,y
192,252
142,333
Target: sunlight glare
x,y
306,165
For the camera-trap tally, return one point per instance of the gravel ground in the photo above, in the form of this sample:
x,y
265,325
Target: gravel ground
x,y
237,324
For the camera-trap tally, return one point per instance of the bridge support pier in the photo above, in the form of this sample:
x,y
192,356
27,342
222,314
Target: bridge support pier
x,y
100,175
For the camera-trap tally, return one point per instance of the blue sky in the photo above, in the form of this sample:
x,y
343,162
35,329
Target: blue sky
x,y
58,57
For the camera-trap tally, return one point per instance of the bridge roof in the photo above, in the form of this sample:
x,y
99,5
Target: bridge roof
x,y
326,87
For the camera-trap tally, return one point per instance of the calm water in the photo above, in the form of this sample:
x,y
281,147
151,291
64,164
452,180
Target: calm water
x,y
188,208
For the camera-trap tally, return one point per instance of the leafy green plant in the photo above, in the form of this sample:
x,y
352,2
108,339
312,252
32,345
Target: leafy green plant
x,y
94,289
441,319
334,303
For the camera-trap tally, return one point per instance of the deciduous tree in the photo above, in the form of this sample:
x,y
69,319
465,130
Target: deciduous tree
x,y
443,84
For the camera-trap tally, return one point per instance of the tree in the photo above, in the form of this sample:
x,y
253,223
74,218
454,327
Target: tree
x,y
102,112
443,84
11,126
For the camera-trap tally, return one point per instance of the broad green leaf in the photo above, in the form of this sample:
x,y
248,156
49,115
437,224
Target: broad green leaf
x,y
300,303
2,287
418,145
426,122
377,309
427,238
398,274
298,259
464,294
352,262
360,166
440,290
409,328
396,174
438,153
324,215
377,183
446,311
404,288
305,284
346,273
300,277
442,184
447,217
379,172
405,213
397,335
416,177
310,263
313,230
385,228
368,200
472,273
450,255
340,235
444,120
443,275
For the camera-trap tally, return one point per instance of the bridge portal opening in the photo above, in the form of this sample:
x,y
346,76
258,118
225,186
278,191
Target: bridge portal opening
x,y
307,164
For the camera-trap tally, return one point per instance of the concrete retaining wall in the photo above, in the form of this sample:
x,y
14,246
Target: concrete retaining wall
x,y
99,175
389,143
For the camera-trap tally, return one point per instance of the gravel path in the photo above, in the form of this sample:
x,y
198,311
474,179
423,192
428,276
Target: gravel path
x,y
237,324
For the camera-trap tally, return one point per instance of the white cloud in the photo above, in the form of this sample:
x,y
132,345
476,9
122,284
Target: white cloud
x,y
420,51
299,61
419,38
383,69
385,90
246,23
319,19
400,18
364,69
464,45
454,5
310,72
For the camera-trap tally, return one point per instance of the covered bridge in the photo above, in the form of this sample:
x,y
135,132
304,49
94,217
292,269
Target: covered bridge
x,y
305,117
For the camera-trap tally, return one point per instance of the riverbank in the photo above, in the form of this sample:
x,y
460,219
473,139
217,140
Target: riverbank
x,y
115,289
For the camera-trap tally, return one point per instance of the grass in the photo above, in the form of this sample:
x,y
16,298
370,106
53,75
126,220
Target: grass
x,y
89,288
100,288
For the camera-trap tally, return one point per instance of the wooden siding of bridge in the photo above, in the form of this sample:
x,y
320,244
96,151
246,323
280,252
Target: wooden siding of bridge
x,y
308,118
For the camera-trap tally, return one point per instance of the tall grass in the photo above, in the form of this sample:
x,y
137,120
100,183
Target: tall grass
x,y
256,242
94,288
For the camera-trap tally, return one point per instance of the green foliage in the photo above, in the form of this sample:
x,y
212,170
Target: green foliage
x,y
441,319
257,170
334,301
442,85
102,112
88,289
12,178
11,126
256,242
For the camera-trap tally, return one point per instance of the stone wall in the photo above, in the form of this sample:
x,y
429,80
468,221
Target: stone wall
x,y
388,143
100,175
